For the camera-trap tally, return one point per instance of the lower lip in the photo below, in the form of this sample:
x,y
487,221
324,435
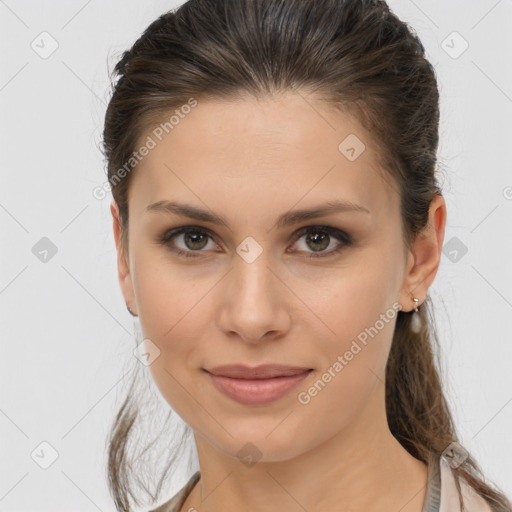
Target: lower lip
x,y
256,391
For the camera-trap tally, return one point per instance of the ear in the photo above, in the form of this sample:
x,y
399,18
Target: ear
x,y
425,256
123,267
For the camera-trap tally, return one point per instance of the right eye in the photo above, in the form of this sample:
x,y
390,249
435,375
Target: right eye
x,y
194,240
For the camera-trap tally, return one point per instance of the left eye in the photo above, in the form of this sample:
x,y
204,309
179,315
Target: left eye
x,y
317,238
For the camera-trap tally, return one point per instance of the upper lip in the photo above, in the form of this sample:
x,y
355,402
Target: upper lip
x,y
265,371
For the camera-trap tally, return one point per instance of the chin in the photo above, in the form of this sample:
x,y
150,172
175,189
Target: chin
x,y
260,442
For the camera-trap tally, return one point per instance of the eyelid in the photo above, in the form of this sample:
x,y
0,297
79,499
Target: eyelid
x,y
337,233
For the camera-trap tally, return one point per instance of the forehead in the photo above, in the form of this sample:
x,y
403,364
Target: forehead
x,y
276,151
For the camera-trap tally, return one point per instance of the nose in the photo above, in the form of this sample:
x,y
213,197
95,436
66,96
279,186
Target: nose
x,y
253,302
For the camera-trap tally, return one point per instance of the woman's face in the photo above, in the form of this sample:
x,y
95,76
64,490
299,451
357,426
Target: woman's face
x,y
256,289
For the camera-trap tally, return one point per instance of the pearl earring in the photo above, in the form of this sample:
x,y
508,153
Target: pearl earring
x,y
416,318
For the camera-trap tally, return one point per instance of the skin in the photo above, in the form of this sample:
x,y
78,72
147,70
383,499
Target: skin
x,y
251,161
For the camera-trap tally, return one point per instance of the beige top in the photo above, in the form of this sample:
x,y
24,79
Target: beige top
x,y
441,495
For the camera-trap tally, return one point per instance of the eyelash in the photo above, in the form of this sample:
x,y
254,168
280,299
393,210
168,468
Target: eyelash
x,y
341,236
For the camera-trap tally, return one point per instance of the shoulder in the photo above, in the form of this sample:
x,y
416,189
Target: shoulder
x,y
176,502
473,502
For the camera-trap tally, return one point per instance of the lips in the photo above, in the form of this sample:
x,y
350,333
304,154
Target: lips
x,y
267,371
258,385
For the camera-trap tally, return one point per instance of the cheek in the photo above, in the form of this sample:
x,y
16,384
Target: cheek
x,y
345,301
167,295
358,314
353,376
170,312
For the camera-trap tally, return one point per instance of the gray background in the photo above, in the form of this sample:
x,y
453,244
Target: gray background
x,y
67,338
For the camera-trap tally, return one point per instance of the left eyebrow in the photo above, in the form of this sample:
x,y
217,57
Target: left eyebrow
x,y
286,219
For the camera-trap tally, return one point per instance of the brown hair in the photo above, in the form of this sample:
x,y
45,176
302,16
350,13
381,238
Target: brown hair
x,y
360,57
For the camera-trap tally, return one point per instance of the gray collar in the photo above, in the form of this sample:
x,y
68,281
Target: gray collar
x,y
433,495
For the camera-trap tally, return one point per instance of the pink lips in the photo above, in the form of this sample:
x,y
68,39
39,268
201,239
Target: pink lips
x,y
259,385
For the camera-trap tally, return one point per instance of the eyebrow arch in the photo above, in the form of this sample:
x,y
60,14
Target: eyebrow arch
x,y
287,219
